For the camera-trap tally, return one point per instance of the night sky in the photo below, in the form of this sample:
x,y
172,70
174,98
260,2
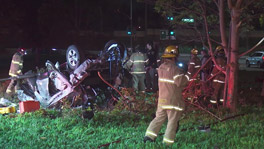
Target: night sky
x,y
58,23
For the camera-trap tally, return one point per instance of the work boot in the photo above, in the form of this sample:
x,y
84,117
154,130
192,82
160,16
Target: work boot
x,y
146,138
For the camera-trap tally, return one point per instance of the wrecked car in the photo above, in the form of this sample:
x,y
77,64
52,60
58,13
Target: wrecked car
x,y
58,82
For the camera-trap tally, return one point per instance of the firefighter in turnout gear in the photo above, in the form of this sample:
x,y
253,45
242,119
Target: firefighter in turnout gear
x,y
218,82
193,66
172,80
136,65
15,70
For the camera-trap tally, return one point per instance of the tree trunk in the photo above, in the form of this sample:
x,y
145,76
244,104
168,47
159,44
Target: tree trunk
x,y
233,65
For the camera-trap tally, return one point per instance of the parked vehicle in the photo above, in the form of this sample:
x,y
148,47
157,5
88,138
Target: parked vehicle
x,y
257,59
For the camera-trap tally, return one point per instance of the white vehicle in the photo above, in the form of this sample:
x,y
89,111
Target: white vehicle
x,y
257,59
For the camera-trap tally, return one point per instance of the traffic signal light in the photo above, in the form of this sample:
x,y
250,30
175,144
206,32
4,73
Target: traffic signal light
x,y
129,31
172,33
170,18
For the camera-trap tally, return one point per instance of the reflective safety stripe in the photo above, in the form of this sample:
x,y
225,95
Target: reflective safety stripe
x,y
19,71
166,80
192,79
168,140
188,72
192,63
138,72
187,77
17,62
213,101
172,107
176,76
12,74
218,81
151,133
140,61
198,66
222,100
8,91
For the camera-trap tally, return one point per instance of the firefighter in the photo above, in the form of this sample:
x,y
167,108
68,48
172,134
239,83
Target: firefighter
x,y
205,72
193,66
172,80
15,70
218,82
151,72
136,65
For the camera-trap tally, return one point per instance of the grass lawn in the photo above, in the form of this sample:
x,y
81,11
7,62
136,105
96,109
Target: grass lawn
x,y
66,129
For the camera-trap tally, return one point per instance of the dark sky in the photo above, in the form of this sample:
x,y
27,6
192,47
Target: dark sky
x,y
37,23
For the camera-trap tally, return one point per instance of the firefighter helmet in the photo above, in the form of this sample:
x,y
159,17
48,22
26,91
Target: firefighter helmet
x,y
22,51
194,51
171,51
220,50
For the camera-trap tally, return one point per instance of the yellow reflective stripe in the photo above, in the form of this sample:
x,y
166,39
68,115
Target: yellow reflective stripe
x,y
176,76
222,100
19,71
168,140
17,62
12,74
138,72
213,101
166,80
218,81
172,107
8,91
197,66
139,61
151,133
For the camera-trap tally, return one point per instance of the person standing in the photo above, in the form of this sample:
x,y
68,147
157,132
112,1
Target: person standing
x,y
193,66
136,65
151,72
170,103
15,70
205,72
219,80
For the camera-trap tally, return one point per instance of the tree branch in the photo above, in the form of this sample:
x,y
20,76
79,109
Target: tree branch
x,y
216,3
230,5
253,48
238,4
249,3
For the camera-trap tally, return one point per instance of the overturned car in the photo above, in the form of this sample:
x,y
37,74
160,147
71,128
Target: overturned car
x,y
67,80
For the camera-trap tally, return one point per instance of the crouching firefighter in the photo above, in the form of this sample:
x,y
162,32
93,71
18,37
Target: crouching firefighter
x,y
15,70
170,103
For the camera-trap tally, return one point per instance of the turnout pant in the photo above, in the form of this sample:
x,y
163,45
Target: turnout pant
x,y
155,125
138,81
13,84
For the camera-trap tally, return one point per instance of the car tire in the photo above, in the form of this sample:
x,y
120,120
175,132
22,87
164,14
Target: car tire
x,y
258,65
73,57
247,64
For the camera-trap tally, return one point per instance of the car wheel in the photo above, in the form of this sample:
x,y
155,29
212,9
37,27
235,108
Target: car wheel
x,y
258,65
247,64
73,57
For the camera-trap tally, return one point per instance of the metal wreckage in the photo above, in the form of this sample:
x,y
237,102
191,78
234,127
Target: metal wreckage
x,y
67,80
